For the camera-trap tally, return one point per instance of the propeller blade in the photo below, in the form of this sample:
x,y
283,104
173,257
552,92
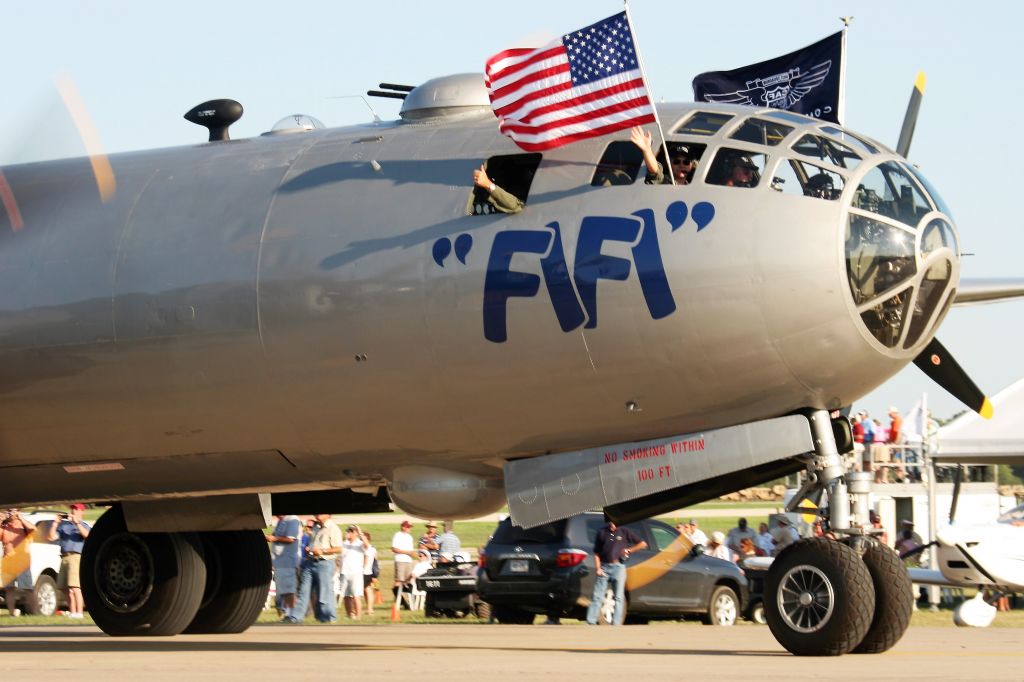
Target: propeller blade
x,y
910,120
937,363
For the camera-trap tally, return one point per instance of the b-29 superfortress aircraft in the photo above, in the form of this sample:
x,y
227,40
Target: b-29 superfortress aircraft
x,y
332,319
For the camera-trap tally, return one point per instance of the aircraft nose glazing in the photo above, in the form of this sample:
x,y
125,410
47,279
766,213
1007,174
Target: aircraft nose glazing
x,y
902,257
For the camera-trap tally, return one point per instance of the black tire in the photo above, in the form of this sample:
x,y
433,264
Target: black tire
x,y
43,599
429,610
509,615
141,584
837,592
723,607
483,610
238,572
894,599
756,613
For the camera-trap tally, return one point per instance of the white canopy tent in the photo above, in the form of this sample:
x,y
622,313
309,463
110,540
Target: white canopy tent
x,y
970,439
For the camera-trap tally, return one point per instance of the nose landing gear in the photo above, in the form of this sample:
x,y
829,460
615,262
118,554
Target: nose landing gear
x,y
827,596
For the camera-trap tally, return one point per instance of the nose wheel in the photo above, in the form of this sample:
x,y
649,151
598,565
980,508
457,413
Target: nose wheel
x,y
819,598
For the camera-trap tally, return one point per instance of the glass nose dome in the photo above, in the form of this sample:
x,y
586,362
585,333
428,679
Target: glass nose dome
x,y
902,256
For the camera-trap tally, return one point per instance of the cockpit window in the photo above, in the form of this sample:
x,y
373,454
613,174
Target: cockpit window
x,y
736,168
880,259
889,191
939,203
863,146
760,131
798,177
790,117
826,149
619,165
703,123
511,175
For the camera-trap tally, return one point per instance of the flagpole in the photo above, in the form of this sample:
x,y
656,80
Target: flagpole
x,y
841,114
643,76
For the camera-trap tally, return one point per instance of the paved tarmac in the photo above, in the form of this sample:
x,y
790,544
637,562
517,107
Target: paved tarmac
x,y
493,652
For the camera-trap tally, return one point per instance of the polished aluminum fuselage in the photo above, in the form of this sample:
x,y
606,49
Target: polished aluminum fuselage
x,y
280,295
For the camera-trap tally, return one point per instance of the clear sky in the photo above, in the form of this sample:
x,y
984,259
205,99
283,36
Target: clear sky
x,y
139,66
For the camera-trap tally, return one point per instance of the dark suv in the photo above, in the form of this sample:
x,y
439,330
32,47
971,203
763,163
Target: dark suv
x,y
548,570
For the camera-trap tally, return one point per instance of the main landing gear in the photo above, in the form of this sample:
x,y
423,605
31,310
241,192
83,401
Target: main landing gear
x,y
155,584
826,596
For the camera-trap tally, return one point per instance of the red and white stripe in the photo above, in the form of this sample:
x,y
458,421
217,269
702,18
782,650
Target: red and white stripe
x,y
539,108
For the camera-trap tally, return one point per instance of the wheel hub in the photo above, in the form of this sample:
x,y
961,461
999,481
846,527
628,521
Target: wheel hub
x,y
806,598
124,573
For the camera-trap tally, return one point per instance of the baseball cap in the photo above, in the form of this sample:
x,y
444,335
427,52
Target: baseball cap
x,y
718,536
407,524
744,162
907,522
78,505
352,527
431,524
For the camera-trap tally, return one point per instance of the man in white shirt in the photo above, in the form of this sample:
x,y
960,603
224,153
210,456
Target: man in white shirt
x,y
402,545
353,563
764,540
695,534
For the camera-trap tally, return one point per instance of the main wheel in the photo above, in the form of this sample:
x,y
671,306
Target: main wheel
x,y
238,572
819,598
141,583
894,599
723,607
42,601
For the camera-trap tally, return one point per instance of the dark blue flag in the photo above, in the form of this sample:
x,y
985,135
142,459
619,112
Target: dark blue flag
x,y
806,81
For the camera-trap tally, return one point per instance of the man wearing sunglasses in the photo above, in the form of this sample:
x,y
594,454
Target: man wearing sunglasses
x,y
683,163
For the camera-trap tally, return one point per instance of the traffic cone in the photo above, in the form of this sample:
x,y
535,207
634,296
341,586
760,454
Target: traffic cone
x,y
396,617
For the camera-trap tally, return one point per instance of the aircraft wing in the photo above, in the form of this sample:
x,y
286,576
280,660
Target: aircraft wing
x,y
926,576
974,291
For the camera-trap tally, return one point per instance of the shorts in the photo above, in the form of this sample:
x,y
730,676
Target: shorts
x,y
351,585
403,570
368,580
286,580
68,577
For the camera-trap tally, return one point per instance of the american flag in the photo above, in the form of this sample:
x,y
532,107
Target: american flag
x,y
585,84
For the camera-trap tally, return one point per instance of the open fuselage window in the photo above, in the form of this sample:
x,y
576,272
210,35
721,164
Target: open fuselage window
x,y
684,159
796,177
619,165
512,175
736,168
825,149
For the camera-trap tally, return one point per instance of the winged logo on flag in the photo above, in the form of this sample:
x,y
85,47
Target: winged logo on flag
x,y
781,90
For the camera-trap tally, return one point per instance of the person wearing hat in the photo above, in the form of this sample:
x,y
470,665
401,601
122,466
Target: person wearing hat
x,y
354,563
742,173
405,553
683,162
72,532
785,534
695,534
430,542
716,547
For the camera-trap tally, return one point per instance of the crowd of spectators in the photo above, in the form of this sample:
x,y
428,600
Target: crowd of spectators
x,y
316,563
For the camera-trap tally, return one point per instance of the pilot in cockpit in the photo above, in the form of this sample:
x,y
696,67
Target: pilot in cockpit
x,y
683,162
820,186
